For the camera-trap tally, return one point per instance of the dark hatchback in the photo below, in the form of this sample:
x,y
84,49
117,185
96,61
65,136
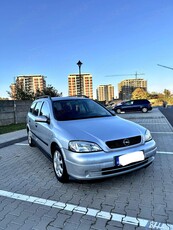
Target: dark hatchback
x,y
142,105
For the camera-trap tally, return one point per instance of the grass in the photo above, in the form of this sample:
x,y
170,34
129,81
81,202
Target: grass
x,y
12,128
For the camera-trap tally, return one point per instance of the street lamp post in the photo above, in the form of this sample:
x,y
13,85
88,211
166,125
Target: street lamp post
x,y
80,77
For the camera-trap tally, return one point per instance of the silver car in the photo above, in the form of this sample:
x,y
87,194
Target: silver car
x,y
87,141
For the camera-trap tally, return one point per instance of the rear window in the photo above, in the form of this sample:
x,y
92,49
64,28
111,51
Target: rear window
x,y
141,102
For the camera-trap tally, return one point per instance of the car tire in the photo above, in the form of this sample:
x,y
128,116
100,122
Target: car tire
x,y
30,140
144,110
59,166
118,110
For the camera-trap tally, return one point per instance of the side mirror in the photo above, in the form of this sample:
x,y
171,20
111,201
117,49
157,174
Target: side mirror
x,y
43,119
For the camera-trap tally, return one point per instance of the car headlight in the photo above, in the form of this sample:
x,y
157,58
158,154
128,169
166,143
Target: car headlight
x,y
148,136
83,146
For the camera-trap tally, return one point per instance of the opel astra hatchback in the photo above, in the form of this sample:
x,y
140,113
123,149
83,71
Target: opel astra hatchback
x,y
87,141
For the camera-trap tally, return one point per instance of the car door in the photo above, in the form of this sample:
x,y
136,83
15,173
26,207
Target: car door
x,y
138,105
127,106
135,105
31,117
44,128
34,112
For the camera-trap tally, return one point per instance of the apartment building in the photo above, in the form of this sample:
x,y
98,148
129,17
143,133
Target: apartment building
x,y
105,93
80,85
29,83
126,87
13,89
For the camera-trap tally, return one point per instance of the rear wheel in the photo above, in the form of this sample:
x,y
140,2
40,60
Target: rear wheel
x,y
144,110
59,166
30,140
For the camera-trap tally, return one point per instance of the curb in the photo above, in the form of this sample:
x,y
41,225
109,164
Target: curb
x,y
12,142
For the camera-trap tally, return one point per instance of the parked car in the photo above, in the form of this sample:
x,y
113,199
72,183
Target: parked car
x,y
133,105
87,141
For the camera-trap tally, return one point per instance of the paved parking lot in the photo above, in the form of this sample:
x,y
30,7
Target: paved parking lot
x,y
32,198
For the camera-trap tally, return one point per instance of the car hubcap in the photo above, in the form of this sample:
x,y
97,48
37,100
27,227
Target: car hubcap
x,y
58,163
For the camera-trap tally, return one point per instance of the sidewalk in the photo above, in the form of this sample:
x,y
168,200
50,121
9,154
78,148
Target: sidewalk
x,y
12,138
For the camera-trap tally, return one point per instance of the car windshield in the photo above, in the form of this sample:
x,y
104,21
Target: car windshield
x,y
78,109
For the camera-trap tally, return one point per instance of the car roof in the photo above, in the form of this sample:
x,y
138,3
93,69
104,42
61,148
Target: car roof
x,y
61,98
137,100
68,98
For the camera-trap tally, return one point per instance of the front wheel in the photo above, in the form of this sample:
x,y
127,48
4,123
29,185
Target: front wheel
x,y
118,110
144,110
59,167
30,140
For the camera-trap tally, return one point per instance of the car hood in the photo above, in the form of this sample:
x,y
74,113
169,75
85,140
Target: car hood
x,y
101,129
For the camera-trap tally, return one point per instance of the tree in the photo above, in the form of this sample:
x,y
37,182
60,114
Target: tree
x,y
50,91
21,94
139,93
3,98
167,93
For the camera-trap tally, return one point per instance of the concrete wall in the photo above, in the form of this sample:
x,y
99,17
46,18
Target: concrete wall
x,y
13,112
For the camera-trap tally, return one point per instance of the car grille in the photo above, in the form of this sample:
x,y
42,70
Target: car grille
x,y
123,142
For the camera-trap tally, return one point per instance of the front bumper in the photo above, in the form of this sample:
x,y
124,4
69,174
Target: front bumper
x,y
97,165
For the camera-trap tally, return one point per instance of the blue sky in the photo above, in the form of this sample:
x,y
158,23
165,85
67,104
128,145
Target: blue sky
x,y
110,37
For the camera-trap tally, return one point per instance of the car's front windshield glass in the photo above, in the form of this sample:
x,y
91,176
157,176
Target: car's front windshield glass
x,y
78,109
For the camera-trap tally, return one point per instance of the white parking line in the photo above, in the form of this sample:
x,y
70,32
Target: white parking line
x,y
169,153
20,144
89,211
163,132
152,123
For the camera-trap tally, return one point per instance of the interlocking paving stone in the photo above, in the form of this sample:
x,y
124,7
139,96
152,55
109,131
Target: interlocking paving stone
x,y
145,194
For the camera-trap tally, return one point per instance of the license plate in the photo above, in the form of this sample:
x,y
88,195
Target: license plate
x,y
130,158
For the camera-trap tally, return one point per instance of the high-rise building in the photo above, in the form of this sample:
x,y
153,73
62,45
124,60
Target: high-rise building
x,y
126,87
13,90
83,87
29,83
105,93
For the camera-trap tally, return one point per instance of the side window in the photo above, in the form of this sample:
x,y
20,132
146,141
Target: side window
x,y
128,103
136,102
32,107
45,110
37,108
